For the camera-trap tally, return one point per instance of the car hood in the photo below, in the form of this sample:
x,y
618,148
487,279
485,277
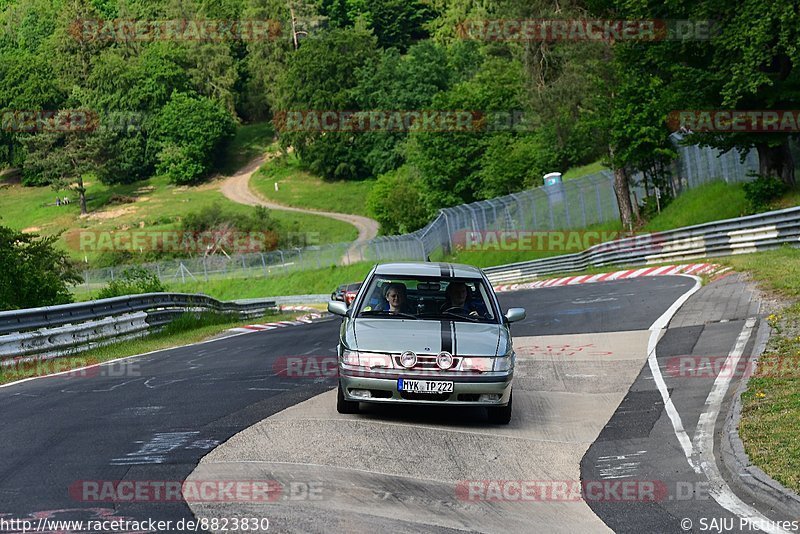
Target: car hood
x,y
428,337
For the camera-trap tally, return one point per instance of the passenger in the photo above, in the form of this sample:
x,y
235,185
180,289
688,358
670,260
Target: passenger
x,y
457,294
395,295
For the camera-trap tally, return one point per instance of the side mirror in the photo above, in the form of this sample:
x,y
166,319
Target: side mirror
x,y
514,314
337,307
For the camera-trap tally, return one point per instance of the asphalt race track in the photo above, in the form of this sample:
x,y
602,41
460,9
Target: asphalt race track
x,y
586,408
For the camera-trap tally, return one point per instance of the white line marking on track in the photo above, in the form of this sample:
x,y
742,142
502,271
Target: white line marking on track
x,y
706,464
655,334
704,440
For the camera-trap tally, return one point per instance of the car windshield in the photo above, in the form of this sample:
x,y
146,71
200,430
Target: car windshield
x,y
406,297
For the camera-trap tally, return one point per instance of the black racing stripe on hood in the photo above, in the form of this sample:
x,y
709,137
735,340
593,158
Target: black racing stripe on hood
x,y
447,336
455,339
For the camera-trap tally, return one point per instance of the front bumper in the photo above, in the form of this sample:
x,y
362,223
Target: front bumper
x,y
467,387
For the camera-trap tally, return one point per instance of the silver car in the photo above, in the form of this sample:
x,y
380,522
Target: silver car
x,y
426,333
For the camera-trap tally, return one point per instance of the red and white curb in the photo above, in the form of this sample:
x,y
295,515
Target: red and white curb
x,y
305,319
694,268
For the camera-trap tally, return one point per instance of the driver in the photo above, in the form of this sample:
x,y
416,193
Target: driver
x,y
457,293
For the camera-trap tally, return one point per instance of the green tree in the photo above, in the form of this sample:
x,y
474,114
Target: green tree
x,y
33,271
63,158
319,77
450,162
748,60
391,81
397,203
398,23
188,133
265,59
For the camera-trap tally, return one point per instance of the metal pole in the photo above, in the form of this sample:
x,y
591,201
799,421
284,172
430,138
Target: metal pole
x,y
600,214
583,207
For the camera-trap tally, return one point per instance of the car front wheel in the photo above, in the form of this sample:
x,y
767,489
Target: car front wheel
x,y
501,415
345,406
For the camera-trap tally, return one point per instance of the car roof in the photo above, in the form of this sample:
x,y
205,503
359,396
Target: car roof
x,y
443,270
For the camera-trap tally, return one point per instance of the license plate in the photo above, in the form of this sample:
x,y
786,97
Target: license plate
x,y
424,386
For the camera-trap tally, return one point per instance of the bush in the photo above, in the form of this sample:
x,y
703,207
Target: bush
x,y
33,272
650,204
214,219
397,203
132,281
761,191
188,132
179,164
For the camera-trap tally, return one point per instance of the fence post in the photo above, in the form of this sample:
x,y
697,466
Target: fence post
x,y
422,247
583,206
449,247
264,264
566,211
600,214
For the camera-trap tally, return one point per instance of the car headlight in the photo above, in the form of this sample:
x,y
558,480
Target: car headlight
x,y
366,359
481,365
408,359
504,363
444,360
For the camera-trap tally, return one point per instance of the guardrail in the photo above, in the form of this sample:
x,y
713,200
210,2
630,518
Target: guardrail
x,y
720,238
53,331
49,332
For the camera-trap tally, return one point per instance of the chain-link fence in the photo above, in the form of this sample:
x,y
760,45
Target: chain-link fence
x,y
578,203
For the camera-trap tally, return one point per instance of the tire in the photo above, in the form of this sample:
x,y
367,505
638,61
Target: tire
x,y
501,415
345,406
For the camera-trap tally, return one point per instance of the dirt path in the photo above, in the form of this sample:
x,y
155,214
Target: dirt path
x,y
237,189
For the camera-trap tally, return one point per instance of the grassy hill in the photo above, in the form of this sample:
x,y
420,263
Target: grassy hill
x,y
153,204
298,187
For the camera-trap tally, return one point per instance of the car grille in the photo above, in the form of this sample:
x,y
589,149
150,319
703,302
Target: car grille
x,y
425,363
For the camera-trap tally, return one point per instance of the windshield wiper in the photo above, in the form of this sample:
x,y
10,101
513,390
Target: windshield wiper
x,y
388,314
474,318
